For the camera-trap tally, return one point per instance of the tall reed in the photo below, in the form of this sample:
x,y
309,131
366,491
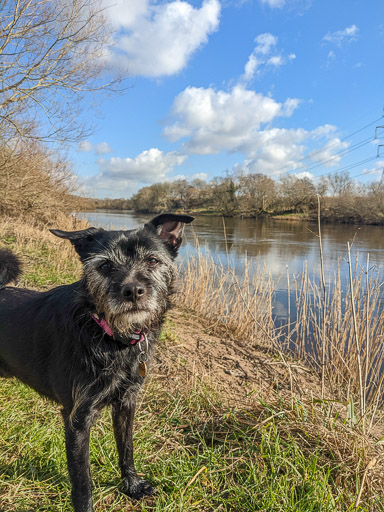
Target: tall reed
x,y
329,317
353,330
240,300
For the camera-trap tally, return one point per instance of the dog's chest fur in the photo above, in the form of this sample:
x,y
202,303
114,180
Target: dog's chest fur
x,y
72,354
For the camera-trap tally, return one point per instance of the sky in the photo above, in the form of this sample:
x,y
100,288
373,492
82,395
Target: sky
x,y
226,86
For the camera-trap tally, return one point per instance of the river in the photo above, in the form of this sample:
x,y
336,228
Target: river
x,y
283,246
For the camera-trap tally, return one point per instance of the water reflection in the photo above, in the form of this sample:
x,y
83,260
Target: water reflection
x,y
282,246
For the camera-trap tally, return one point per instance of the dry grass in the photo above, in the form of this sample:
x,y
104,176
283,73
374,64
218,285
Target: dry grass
x,y
35,182
353,332
47,260
240,303
241,306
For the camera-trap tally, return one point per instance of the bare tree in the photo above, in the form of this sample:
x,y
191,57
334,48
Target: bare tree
x,y
224,195
376,196
298,194
180,194
258,191
51,60
341,183
35,181
154,198
322,186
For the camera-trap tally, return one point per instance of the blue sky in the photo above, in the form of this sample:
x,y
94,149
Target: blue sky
x,y
271,86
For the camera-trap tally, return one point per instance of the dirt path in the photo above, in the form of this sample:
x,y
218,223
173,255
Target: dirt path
x,y
238,370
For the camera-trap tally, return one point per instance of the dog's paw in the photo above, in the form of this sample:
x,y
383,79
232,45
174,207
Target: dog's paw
x,y
138,489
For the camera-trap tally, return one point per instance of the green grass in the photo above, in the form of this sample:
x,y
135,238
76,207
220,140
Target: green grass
x,y
43,263
199,453
242,460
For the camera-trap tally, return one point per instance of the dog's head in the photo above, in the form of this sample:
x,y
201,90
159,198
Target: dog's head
x,y
129,275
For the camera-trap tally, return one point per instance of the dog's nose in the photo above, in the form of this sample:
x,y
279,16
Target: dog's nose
x,y
132,291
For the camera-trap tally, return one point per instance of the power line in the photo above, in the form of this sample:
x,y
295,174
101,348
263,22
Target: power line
x,y
348,167
340,153
331,145
366,173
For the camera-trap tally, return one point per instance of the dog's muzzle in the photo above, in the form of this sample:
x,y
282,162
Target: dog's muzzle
x,y
133,292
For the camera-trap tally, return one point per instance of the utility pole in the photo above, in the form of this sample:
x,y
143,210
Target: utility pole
x,y
377,129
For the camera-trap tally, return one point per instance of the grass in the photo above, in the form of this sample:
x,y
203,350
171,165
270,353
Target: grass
x,y
47,260
200,455
282,454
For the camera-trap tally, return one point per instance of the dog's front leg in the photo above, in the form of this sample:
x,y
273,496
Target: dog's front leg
x,y
77,435
123,415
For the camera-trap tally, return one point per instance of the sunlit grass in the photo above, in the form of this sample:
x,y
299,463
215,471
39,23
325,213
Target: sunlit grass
x,y
200,456
281,455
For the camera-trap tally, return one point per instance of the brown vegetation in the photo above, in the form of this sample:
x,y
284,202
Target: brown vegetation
x,y
35,182
223,335
52,64
242,305
112,204
252,195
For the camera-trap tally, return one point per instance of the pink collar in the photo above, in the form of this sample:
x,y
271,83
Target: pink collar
x,y
132,339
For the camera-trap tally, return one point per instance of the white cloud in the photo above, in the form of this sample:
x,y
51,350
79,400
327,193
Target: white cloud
x,y
274,3
339,37
276,151
239,121
376,170
157,39
121,177
297,6
251,67
331,57
197,176
147,167
328,153
85,145
102,148
266,44
124,14
326,130
275,61
305,174
218,121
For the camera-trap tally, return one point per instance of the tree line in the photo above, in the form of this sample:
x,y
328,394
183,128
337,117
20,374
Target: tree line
x,y
255,194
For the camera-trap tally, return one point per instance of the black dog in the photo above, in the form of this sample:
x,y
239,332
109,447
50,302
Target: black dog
x,y
86,345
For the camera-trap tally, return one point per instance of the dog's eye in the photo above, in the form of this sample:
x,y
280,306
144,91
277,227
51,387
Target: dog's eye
x,y
105,266
151,262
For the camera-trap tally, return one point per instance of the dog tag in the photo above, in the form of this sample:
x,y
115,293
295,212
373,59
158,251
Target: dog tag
x,y
142,369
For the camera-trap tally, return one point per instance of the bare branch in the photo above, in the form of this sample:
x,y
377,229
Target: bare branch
x,y
51,57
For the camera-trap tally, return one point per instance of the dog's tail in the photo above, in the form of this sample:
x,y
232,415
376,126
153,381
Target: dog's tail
x,y
10,267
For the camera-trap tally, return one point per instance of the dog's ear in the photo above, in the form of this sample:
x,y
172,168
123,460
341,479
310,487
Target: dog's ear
x,y
170,227
82,240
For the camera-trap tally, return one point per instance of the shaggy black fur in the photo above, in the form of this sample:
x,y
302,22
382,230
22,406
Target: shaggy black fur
x,y
51,342
10,267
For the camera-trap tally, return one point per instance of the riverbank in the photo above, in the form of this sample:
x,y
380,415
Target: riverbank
x,y
227,421
352,217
